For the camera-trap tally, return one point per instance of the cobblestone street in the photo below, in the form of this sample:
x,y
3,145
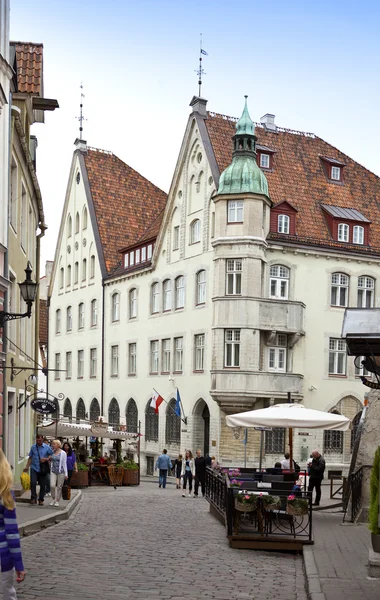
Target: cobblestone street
x,y
150,543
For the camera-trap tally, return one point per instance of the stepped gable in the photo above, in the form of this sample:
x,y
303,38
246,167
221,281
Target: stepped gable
x,y
125,203
298,176
29,61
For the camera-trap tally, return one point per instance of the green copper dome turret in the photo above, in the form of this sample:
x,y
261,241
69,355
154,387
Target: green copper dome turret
x,y
243,175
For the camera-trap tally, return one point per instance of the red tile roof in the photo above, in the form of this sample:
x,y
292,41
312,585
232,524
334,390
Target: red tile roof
x,y
298,176
29,60
126,204
43,324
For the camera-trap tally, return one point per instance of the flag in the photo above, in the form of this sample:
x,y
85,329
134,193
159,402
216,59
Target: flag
x,y
156,401
204,52
177,408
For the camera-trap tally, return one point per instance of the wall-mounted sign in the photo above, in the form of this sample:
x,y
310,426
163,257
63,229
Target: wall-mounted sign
x,y
304,433
43,405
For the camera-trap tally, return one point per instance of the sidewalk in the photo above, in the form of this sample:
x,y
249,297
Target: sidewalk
x,y
33,518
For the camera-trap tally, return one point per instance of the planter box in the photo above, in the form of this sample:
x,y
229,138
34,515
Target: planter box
x,y
131,477
79,479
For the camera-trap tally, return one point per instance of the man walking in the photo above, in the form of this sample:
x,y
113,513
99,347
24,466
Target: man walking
x,y
40,472
200,473
164,464
317,469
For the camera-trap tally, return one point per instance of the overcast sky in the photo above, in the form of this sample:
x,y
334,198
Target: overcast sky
x,y
314,64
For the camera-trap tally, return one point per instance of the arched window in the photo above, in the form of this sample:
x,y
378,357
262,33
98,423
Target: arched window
x,y
84,220
81,411
115,307
354,428
195,231
133,303
58,321
279,282
94,410
68,276
92,266
114,412
333,440
61,277
81,315
76,272
77,222
201,287
69,226
84,269
155,301
67,409
283,222
173,424
366,289
180,292
94,313
339,289
69,318
131,414
167,294
151,424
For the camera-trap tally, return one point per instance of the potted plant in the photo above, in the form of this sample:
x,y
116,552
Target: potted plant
x,y
131,473
234,483
297,506
245,502
80,479
373,513
271,502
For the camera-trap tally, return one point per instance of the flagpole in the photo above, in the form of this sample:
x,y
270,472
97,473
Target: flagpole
x,y
183,420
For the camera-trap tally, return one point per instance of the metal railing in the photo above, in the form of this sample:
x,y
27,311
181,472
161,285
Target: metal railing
x,y
355,482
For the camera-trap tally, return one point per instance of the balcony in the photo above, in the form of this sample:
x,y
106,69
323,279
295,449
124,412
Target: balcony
x,y
281,315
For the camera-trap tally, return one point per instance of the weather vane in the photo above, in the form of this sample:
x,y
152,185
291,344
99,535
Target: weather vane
x,y
81,117
200,71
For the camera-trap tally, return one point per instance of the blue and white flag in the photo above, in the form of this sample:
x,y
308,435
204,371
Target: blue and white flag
x,y
204,52
177,408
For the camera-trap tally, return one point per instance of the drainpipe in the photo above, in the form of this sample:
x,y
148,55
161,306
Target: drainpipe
x,y
103,351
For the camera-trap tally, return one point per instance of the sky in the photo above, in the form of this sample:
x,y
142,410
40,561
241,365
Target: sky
x,y
314,64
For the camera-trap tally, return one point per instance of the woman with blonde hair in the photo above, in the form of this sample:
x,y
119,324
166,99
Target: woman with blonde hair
x,y
10,548
58,472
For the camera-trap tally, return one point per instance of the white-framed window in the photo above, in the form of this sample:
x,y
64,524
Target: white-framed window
x,y
337,356
76,272
283,224
201,287
114,361
277,354
143,254
155,297
235,211
133,303
343,232
360,371
195,231
150,251
69,365
132,355
115,307
69,318
81,316
167,294
137,256
176,237
199,351
339,289
77,223
93,362
366,292
178,354
94,313
69,226
180,292
92,266
61,277
84,269
57,366
335,173
132,258
80,364
68,276
358,235
232,348
264,161
165,364
154,356
84,220
279,282
58,321
234,269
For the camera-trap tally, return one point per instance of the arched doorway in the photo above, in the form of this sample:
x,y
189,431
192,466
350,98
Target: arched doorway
x,y
206,430
201,427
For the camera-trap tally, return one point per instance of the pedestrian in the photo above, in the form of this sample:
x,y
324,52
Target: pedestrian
x,y
10,547
317,468
58,473
71,461
308,463
214,463
38,462
200,473
188,472
178,470
163,464
285,463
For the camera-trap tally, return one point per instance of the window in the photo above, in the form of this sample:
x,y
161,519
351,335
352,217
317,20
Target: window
x,y
172,425
279,282
69,226
167,293
132,359
77,223
154,358
94,313
114,412
199,351
137,253
358,235
178,354
195,231
93,362
76,272
264,161
133,303
180,292
69,365
277,354
166,356
150,251
176,237
84,269
81,411
235,211
115,307
94,410
232,348
151,424
131,414
337,357
332,441
360,370
233,277
57,366
67,409
68,276
366,289
275,441
92,266
155,297
283,222
84,222
80,364
335,173
114,361
339,289
61,277
58,321
143,254
81,316
343,232
69,318
201,287
131,259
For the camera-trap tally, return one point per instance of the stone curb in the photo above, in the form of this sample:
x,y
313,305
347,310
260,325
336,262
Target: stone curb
x,y
313,584
35,525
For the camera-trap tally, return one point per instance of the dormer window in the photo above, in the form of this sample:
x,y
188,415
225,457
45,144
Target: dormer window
x,y
333,168
265,157
343,232
138,256
335,173
264,161
358,235
347,225
283,223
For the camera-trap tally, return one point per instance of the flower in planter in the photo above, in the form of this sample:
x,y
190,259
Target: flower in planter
x,y
235,483
234,472
298,505
246,498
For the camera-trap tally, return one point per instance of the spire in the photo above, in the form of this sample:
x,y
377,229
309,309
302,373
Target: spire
x,y
245,125
81,117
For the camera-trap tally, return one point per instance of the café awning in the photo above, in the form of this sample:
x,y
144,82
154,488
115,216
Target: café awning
x,y
65,429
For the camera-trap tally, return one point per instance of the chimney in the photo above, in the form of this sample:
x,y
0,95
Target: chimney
x,y
268,122
80,145
199,105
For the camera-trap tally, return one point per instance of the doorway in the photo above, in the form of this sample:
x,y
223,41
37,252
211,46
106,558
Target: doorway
x,y
206,430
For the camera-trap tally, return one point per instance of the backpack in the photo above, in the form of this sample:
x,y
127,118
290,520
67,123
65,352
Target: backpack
x,y
297,468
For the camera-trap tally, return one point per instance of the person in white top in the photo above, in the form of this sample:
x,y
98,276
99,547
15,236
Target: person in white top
x,y
58,472
285,463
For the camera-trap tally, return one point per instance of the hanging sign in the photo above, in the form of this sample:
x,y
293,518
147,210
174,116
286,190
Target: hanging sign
x,y
43,405
371,384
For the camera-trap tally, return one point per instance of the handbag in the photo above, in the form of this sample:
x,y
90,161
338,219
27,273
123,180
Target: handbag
x,y
66,492
44,466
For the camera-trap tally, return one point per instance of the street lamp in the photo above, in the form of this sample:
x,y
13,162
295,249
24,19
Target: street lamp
x,y
28,290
